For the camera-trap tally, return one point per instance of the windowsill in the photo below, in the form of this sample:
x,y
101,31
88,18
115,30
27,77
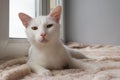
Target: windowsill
x,y
16,48
17,40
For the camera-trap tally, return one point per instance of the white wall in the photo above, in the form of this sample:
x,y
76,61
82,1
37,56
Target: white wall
x,y
93,21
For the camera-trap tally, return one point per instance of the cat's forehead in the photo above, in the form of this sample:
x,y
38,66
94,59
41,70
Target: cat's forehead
x,y
43,20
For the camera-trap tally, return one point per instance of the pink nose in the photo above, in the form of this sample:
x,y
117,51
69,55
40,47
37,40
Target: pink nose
x,y
43,34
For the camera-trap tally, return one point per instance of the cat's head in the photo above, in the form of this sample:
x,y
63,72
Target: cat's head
x,y
43,29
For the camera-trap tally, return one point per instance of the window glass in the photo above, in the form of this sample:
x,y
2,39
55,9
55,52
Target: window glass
x,y
16,29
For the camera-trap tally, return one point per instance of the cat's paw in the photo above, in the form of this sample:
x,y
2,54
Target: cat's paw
x,y
44,73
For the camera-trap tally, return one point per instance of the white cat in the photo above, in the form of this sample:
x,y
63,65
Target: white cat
x,y
47,51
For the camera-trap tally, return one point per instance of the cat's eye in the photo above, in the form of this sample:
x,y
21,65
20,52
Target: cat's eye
x,y
34,28
49,25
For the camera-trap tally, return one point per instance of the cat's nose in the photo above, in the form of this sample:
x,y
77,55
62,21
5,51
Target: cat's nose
x,y
43,34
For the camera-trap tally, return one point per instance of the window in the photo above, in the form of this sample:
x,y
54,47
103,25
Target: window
x,y
12,34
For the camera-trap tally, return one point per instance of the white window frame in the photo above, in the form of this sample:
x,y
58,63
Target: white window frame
x,y
19,47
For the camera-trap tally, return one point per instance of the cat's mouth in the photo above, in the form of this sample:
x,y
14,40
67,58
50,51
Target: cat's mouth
x,y
43,40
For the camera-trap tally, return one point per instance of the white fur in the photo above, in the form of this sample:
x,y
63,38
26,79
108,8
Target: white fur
x,y
47,51
52,54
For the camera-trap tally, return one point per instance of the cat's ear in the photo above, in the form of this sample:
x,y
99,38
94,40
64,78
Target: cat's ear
x,y
25,19
56,13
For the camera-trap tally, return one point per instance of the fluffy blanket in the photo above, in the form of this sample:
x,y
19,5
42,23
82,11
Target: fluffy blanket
x,y
16,69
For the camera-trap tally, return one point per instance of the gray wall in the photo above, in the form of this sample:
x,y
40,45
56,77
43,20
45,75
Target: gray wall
x,y
4,19
93,21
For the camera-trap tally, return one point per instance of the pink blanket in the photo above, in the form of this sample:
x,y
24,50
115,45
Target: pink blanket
x,y
16,69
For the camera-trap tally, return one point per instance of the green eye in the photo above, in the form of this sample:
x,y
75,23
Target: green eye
x,y
49,25
34,28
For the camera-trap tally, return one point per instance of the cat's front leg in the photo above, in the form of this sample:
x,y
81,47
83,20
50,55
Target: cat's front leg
x,y
40,70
